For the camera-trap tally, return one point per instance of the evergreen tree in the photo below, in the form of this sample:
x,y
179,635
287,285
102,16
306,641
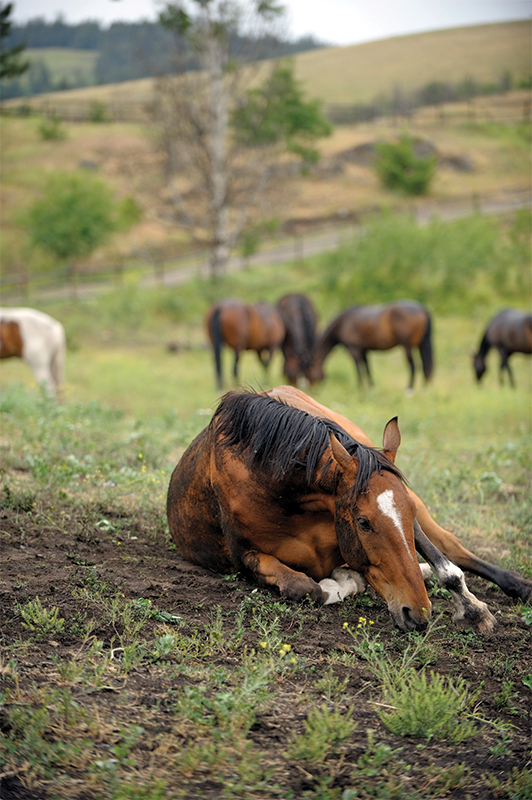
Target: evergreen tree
x,y
11,62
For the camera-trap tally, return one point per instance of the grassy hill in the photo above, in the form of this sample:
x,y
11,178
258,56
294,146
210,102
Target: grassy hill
x,y
360,73
65,63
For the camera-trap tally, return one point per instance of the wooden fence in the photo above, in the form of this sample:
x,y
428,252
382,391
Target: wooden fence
x,y
512,107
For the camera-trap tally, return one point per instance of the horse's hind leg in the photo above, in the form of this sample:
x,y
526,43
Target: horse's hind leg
x,y
411,364
269,571
361,364
235,367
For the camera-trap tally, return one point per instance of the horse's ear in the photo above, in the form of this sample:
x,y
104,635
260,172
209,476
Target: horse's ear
x,y
339,453
391,439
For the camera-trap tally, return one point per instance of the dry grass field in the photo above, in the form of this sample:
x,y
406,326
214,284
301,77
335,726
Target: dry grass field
x,y
360,73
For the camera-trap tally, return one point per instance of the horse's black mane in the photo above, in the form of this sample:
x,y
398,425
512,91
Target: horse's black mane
x,y
269,433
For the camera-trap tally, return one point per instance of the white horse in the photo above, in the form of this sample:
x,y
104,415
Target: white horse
x,y
39,340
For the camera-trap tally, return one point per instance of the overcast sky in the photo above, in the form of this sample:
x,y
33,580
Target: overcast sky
x,y
334,21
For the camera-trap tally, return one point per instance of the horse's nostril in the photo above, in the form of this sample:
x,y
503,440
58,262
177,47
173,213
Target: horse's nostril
x,y
410,621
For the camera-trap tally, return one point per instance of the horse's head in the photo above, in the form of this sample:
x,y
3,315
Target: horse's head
x,y
375,531
479,365
313,369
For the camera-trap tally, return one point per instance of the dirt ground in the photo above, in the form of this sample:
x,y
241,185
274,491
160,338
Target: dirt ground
x,y
52,554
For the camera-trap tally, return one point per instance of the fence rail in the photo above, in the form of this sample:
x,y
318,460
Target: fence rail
x,y
511,108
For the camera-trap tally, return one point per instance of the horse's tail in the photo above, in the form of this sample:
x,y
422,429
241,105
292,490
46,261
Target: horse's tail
x,y
425,349
57,363
309,327
215,329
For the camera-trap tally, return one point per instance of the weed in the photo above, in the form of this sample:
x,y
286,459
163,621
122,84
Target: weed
x,y
324,730
41,621
440,782
517,787
526,614
503,700
330,685
429,708
15,500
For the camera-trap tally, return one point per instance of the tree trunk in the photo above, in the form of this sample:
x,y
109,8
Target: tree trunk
x,y
219,168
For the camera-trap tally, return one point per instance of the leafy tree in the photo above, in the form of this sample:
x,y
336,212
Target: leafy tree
x,y
400,169
75,215
277,114
217,135
11,63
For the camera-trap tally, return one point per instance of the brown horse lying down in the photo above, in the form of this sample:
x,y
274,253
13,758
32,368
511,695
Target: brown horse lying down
x,y
277,486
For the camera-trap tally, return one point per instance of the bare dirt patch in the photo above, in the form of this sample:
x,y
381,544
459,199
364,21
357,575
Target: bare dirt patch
x,y
62,557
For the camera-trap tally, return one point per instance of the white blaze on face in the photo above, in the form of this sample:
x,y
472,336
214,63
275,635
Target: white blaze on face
x,y
386,503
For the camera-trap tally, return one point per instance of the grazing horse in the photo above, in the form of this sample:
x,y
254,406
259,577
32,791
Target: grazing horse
x,y
277,488
300,320
39,340
363,328
244,326
510,331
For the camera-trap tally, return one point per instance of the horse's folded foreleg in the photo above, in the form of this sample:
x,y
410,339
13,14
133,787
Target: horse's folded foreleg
x,y
269,571
469,610
342,583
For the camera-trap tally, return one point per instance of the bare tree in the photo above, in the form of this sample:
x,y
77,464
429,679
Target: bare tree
x,y
215,177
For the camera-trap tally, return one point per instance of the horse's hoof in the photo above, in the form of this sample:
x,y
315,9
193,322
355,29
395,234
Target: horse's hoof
x,y
478,617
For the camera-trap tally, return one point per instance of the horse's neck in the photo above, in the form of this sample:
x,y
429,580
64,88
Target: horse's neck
x,y
485,346
326,342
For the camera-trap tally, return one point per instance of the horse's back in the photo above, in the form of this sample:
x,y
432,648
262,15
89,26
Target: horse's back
x,y
512,330
38,339
409,320
193,511
233,318
267,329
300,320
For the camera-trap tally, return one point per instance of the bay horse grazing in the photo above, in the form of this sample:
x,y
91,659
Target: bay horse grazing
x,y
300,320
243,326
39,340
363,328
510,331
276,487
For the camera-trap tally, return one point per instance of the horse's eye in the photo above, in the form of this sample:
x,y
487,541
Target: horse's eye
x,y
364,523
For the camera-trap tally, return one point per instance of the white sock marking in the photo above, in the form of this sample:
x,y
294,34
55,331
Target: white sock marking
x,y
386,503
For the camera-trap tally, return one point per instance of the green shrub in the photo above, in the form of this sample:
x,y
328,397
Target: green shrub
x,y
400,169
50,128
450,266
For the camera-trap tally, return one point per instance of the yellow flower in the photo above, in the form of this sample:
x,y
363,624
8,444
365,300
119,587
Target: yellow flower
x,y
345,625
264,644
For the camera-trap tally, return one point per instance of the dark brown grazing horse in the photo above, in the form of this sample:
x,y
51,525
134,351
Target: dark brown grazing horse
x,y
277,488
363,328
510,332
300,320
244,326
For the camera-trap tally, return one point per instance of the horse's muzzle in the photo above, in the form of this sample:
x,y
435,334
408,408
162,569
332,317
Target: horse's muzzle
x,y
407,620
